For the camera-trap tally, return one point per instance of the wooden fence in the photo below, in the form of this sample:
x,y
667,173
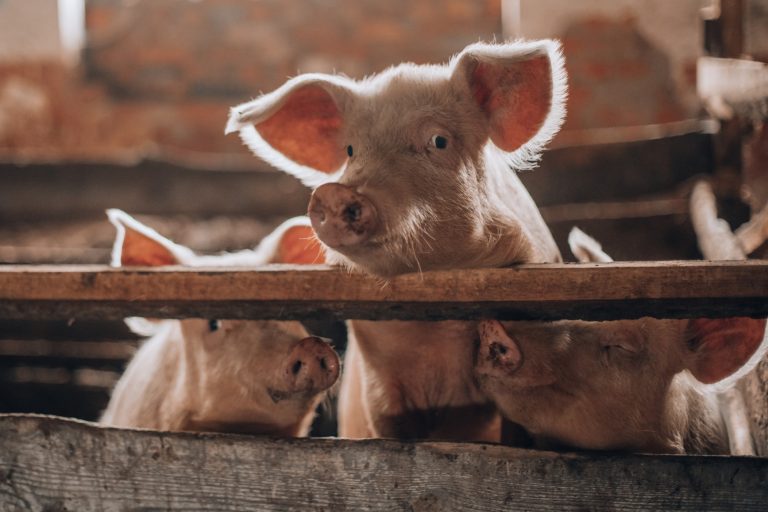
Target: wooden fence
x,y
55,464
594,291
49,463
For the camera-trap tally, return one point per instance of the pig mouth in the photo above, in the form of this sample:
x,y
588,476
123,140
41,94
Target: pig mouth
x,y
492,380
278,396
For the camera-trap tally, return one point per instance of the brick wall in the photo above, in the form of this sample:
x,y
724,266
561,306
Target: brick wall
x,y
160,75
630,62
172,49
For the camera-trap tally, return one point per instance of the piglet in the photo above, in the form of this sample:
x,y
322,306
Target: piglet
x,y
642,385
261,377
412,172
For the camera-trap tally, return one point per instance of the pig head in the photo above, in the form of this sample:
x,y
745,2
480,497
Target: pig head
x,y
412,166
221,375
641,385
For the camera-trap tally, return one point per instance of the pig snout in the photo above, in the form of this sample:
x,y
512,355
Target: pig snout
x,y
340,216
312,366
497,349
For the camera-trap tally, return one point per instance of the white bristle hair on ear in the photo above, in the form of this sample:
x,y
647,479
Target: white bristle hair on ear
x,y
310,177
243,116
753,361
527,156
122,220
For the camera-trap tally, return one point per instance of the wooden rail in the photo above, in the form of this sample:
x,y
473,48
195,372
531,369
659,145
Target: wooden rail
x,y
552,291
49,463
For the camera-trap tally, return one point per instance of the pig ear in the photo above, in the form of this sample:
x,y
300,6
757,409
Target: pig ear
x,y
293,241
299,127
725,348
299,245
585,248
521,88
139,245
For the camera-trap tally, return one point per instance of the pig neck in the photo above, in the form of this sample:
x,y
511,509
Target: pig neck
x,y
142,396
418,381
173,392
513,224
696,425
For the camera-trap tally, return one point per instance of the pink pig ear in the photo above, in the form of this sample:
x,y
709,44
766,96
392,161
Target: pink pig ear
x,y
293,241
300,246
139,245
299,127
725,347
521,87
585,248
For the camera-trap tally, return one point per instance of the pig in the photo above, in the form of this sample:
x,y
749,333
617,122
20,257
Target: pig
x,y
646,385
411,169
257,377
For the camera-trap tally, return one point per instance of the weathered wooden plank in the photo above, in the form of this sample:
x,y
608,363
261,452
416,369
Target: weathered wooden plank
x,y
50,463
72,190
65,353
620,171
593,291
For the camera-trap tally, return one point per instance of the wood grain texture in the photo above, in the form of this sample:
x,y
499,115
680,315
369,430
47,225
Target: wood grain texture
x,y
551,291
49,463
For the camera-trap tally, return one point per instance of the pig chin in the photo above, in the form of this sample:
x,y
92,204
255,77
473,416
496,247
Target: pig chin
x,y
369,259
306,395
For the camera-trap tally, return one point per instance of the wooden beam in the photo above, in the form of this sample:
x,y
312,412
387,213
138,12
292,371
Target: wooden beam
x,y
549,291
65,353
57,191
49,463
660,161
638,168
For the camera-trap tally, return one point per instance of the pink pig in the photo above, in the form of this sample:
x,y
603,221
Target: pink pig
x,y
412,169
640,385
260,377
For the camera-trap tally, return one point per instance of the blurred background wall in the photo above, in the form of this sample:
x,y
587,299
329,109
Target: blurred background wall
x,y
160,74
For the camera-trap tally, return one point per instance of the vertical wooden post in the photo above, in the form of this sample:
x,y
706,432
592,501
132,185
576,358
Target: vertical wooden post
x,y
724,37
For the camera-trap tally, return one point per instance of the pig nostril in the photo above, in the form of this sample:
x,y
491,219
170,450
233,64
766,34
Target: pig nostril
x,y
296,367
353,212
323,365
497,349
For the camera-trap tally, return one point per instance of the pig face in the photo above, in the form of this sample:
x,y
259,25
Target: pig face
x,y
625,384
265,373
262,358
628,384
411,165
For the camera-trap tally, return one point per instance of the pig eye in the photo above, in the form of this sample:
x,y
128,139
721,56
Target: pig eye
x,y
439,141
214,325
617,352
349,150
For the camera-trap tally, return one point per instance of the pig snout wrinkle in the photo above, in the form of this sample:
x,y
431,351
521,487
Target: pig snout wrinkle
x,y
340,216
